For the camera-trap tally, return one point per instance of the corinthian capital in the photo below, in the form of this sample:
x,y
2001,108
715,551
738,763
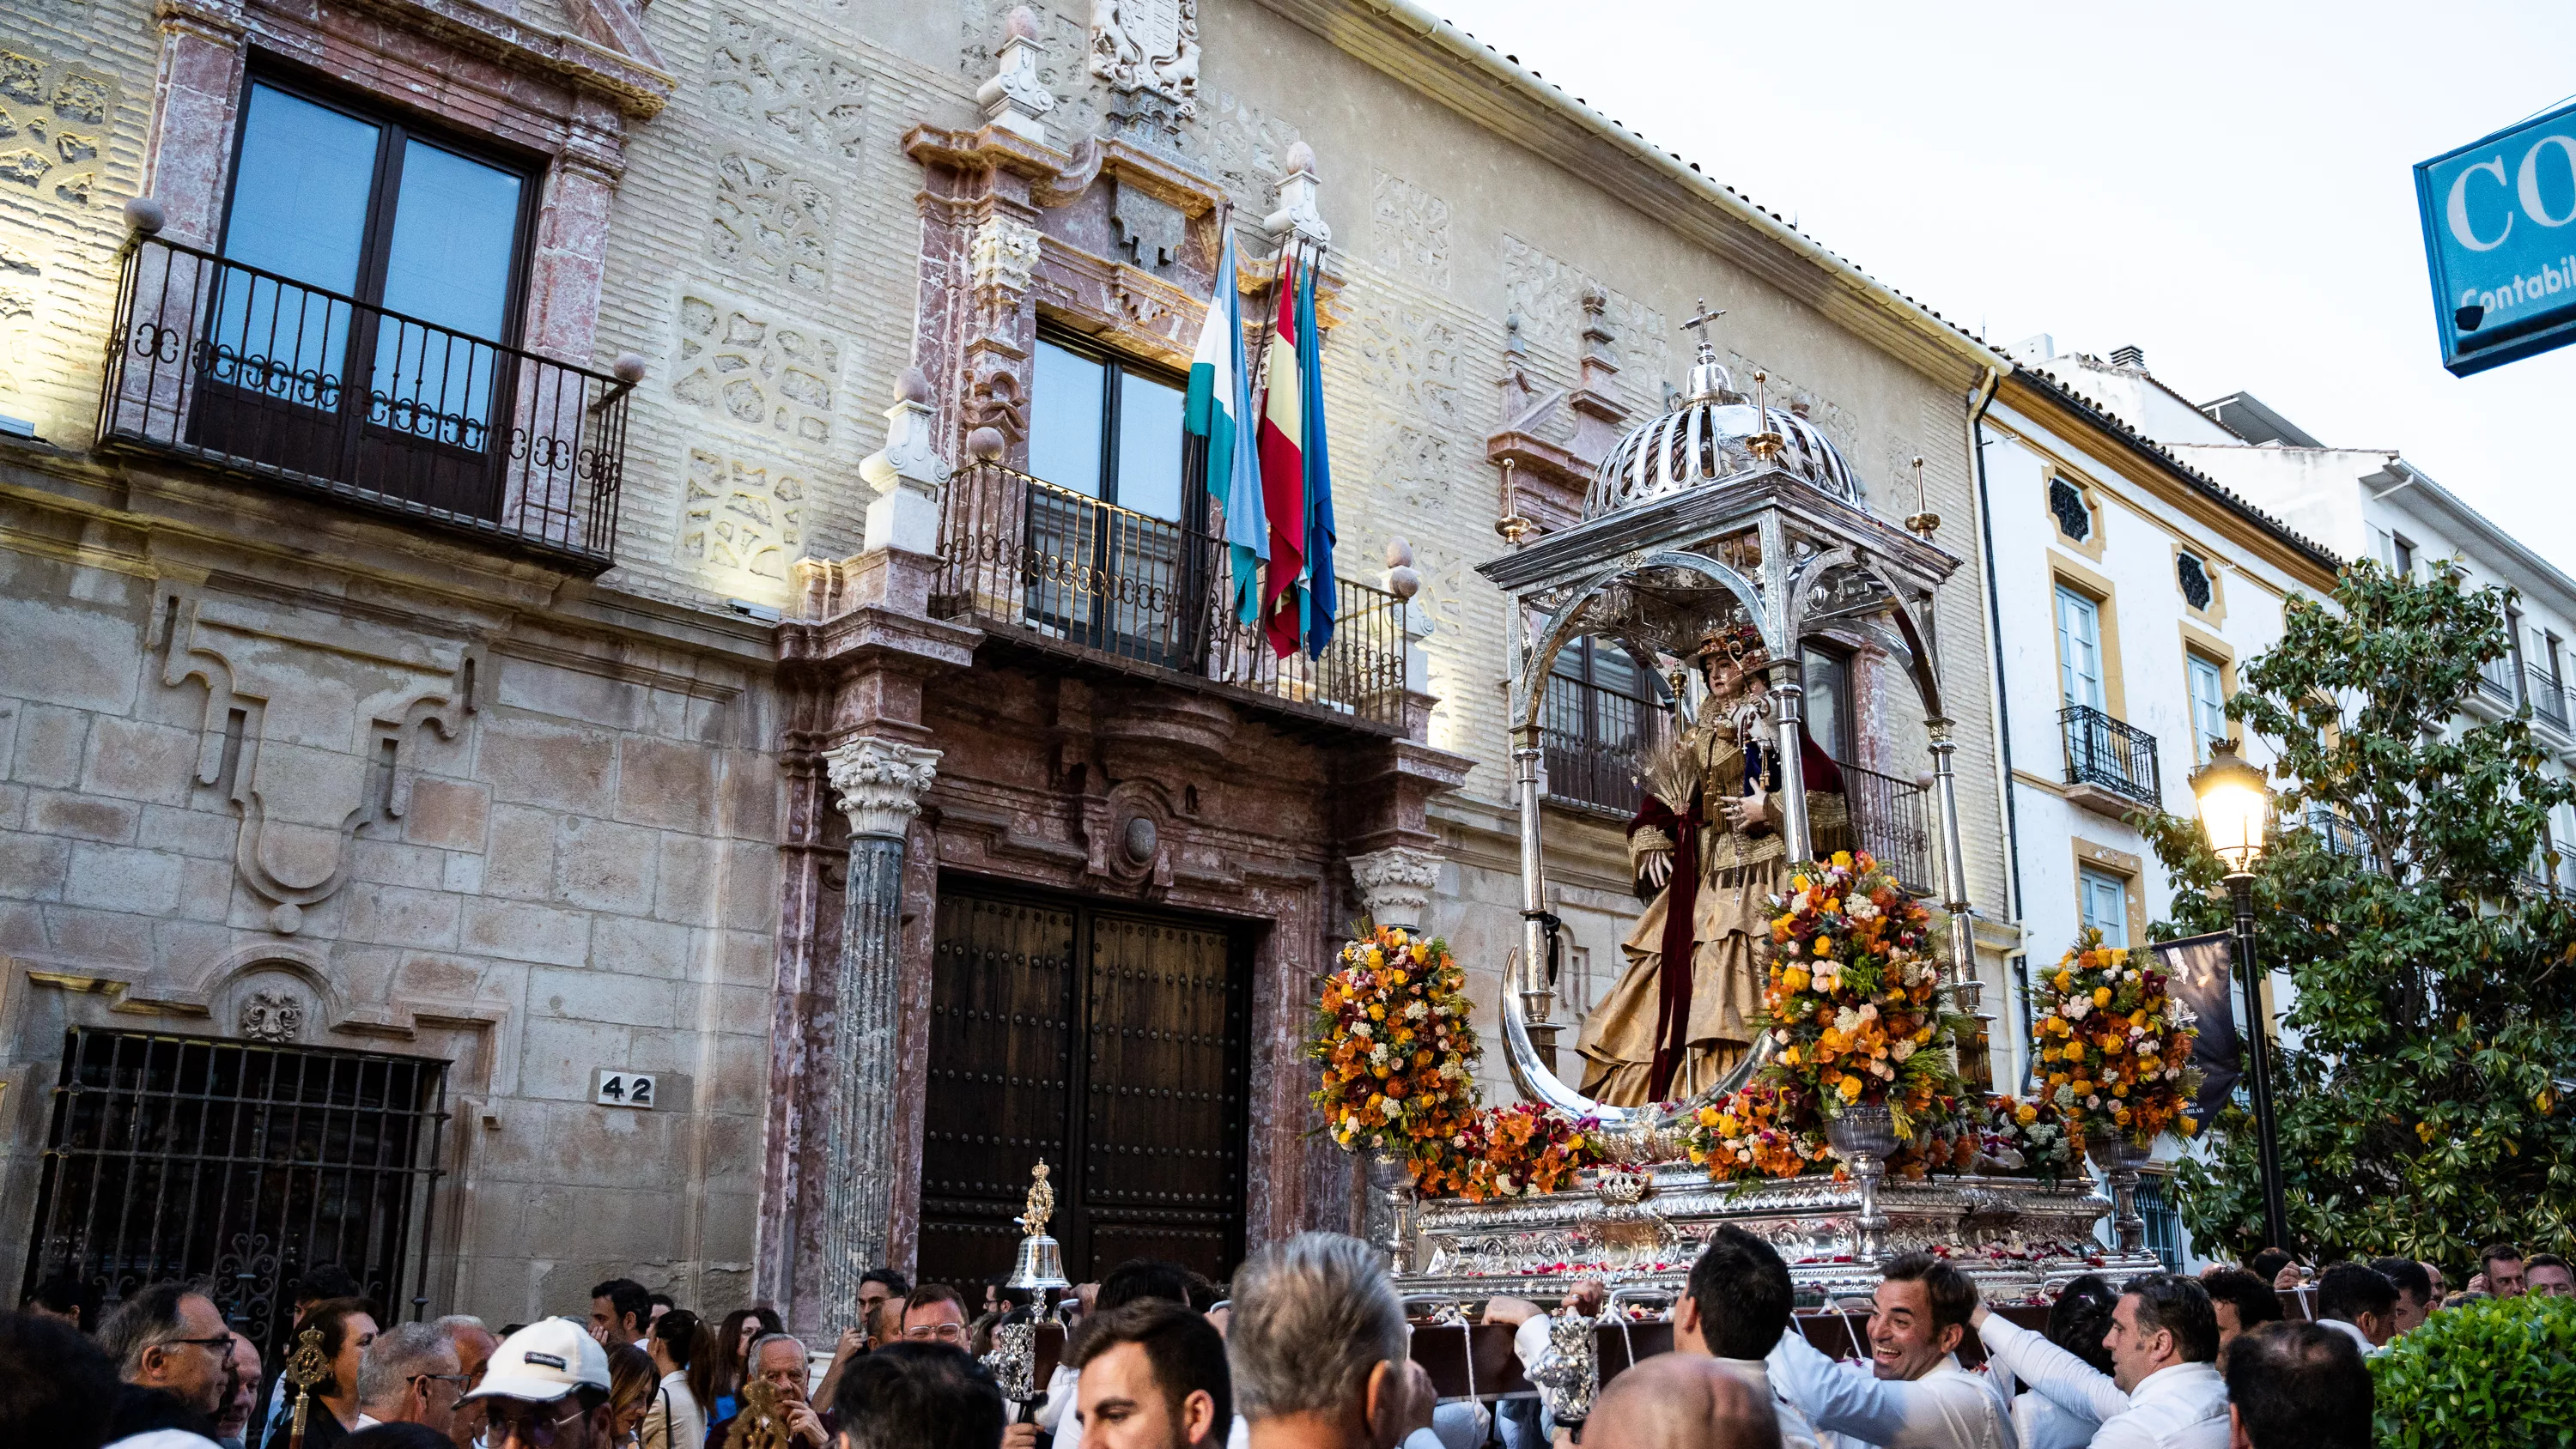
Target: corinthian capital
x,y
879,782
1396,883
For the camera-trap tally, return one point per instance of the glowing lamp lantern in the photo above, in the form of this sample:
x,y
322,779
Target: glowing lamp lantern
x,y
2235,807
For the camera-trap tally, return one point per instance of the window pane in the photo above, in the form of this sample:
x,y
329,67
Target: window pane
x,y
1065,412
299,208
1828,703
2079,648
2104,900
2208,707
1149,446
1613,670
456,229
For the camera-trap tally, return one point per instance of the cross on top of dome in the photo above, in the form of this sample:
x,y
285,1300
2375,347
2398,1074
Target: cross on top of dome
x,y
1712,434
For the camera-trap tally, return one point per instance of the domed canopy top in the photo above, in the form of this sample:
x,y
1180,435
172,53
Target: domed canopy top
x,y
1706,438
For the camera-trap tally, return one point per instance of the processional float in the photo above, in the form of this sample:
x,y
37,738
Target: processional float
x,y
1724,513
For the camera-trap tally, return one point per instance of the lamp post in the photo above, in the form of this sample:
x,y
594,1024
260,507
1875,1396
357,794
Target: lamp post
x,y
2235,811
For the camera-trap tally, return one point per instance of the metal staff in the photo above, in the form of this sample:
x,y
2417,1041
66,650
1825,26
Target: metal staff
x,y
305,1369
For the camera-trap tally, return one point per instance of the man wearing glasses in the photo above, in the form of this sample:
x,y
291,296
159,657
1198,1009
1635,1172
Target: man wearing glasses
x,y
546,1388
409,1376
935,1314
171,1337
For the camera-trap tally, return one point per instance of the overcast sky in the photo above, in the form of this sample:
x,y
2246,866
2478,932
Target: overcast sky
x,y
2228,186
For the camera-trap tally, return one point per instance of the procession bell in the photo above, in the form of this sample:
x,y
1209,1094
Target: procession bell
x,y
1041,1263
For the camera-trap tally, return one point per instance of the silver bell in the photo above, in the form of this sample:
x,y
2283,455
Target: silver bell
x,y
1041,1264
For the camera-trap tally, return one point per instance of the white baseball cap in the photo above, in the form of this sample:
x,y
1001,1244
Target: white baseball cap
x,y
543,1362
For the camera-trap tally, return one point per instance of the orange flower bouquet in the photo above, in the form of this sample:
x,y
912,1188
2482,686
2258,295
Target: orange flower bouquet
x,y
1511,1152
2114,1045
1398,1055
1752,1133
1855,1005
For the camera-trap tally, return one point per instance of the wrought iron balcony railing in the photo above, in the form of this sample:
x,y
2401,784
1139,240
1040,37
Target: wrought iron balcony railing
x,y
1140,591
2105,753
265,377
2497,683
1595,740
2339,836
1890,821
2548,700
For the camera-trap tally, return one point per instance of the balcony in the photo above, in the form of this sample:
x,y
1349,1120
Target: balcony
x,y
1126,591
259,376
2338,836
1891,819
2110,766
2548,699
2498,691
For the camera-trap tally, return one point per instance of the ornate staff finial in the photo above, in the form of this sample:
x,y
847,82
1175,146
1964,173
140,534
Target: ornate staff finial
x,y
1041,1203
308,1366
1512,526
1924,521
1765,443
1700,323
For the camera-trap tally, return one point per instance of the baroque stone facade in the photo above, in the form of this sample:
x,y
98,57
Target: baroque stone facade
x,y
319,774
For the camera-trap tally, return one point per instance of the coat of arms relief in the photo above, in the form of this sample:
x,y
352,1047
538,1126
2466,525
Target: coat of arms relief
x,y
1148,45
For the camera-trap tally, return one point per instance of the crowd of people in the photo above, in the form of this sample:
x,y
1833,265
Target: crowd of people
x,y
1309,1347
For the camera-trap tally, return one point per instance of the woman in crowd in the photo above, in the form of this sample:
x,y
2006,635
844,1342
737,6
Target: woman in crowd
x,y
631,1381
684,1352
348,1325
733,1356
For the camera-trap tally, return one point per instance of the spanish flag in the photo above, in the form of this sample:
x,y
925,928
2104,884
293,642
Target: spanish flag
x,y
1283,470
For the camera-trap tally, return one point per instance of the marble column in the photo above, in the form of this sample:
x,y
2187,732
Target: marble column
x,y
878,782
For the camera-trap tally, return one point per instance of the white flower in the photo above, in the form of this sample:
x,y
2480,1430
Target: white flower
x,y
1869,1013
1780,1035
1847,1021
1360,1029
2093,1101
1904,1048
1415,1011
1800,903
1863,910
2076,1009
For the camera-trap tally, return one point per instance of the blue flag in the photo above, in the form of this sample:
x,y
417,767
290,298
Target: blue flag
x,y
1321,587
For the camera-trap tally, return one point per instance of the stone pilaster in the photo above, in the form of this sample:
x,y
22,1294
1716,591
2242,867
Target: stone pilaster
x,y
1396,883
878,783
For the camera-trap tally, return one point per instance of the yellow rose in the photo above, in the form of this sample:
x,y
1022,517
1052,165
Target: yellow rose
x,y
1850,1088
1843,858
2101,996
2026,1114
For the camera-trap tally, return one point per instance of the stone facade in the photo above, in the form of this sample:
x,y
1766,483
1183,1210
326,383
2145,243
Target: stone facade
x,y
279,767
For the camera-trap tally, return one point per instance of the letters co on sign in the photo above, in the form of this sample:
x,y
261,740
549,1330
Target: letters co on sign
x,y
2500,236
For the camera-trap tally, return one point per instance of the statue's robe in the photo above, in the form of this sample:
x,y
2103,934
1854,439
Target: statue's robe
x,y
1666,1034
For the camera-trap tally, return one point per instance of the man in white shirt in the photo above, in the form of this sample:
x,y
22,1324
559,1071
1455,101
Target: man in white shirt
x,y
1737,1305
1914,1394
2359,1304
2163,1391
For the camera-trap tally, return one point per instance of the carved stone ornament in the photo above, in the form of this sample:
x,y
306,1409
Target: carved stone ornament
x,y
1002,253
1148,45
1017,96
273,1016
880,782
1396,884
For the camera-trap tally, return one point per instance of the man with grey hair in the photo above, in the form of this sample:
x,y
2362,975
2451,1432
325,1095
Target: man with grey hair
x,y
409,1376
1317,1342
474,1344
780,1359
1682,1401
170,1336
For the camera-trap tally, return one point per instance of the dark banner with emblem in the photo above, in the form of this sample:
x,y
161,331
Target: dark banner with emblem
x,y
2202,972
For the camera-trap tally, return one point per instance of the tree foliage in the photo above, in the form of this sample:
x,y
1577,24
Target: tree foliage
x,y
2434,969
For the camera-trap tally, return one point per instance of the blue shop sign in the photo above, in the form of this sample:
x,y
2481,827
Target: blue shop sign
x,y
2499,239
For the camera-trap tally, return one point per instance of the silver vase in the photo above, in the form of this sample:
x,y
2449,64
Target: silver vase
x,y
1389,1210
2119,1158
1864,1138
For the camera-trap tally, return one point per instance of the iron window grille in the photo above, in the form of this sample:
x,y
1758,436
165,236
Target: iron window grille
x,y
239,1162
2497,681
2067,502
2194,578
2102,751
1603,715
2548,699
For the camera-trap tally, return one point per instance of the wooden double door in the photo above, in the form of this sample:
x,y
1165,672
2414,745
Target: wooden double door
x,y
1113,1043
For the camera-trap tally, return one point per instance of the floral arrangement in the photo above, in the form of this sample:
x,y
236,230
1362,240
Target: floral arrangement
x,y
1854,999
1947,1138
1399,1066
1753,1132
1399,1058
2036,1134
1508,1152
2116,1045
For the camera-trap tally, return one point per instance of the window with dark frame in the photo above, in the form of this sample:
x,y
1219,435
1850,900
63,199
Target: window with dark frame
x,y
1829,702
373,272
1603,712
1114,531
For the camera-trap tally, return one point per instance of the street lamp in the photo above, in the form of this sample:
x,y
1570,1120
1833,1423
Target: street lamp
x,y
2235,813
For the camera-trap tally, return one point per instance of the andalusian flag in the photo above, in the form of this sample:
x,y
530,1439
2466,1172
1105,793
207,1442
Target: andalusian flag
x,y
1283,471
1220,402
1318,587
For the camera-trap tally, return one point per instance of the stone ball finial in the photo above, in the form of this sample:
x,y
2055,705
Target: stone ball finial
x,y
912,387
1301,157
1398,553
985,445
145,215
629,368
1022,24
1403,582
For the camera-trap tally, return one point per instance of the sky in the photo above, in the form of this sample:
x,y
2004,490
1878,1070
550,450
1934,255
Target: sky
x,y
2228,187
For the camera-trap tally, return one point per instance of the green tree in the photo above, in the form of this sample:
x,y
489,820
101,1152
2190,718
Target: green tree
x,y
2435,976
